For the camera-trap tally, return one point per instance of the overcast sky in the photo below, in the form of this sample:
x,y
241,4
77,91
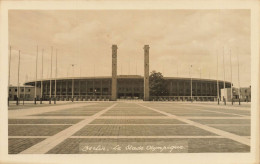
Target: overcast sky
x,y
177,39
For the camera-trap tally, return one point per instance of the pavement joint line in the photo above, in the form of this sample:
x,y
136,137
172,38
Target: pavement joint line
x,y
228,124
28,136
40,124
226,118
123,117
217,112
207,128
142,124
49,143
51,117
36,110
157,137
225,107
134,117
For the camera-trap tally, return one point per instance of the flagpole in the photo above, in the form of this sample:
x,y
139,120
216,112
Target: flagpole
x,y
217,81
51,74
35,97
42,77
24,91
231,88
72,98
18,85
191,83
224,77
55,96
10,57
200,98
238,79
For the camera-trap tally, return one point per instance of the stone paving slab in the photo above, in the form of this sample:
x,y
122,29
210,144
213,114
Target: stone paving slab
x,y
228,111
242,130
74,113
234,109
35,130
211,110
16,145
141,130
131,112
222,121
194,145
127,105
243,107
26,106
136,121
87,111
83,109
37,110
205,114
43,121
194,112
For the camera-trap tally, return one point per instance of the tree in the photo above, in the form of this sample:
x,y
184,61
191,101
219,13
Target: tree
x,y
157,84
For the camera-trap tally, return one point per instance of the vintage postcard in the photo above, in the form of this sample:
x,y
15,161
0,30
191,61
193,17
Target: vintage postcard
x,y
134,82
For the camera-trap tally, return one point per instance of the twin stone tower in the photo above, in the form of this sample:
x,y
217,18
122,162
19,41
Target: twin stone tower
x,y
114,73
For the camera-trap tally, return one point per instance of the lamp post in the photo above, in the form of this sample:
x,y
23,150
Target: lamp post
x,y
72,96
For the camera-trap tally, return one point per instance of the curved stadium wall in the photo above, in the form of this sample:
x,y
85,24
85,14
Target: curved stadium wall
x,y
128,87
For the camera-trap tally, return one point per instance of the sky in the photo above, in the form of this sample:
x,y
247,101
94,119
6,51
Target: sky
x,y
177,40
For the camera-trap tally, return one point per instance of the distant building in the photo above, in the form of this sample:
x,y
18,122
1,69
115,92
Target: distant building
x,y
26,93
245,94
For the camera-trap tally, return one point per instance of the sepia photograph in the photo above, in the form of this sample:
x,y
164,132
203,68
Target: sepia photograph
x,y
130,81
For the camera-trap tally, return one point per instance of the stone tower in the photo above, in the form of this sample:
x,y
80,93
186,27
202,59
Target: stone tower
x,y
114,73
146,73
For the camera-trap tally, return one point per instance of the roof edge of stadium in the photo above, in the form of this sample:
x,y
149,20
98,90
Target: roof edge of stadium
x,y
120,77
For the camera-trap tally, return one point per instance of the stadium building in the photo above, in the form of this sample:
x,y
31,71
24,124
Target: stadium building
x,y
128,87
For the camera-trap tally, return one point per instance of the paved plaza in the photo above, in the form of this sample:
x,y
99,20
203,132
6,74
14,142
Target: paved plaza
x,y
128,127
